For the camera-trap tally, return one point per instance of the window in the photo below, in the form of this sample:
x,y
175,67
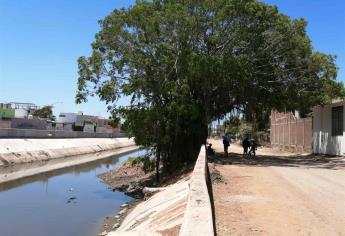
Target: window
x,y
337,121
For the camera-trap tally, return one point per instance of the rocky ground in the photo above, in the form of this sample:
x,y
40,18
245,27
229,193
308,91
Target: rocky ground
x,y
128,178
278,193
111,223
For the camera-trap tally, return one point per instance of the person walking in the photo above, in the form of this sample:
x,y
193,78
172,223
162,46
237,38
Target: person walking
x,y
210,150
226,143
245,145
253,147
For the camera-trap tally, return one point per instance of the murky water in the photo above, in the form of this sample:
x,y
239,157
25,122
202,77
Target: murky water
x,y
65,202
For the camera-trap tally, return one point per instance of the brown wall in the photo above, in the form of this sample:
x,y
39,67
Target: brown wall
x,y
290,133
5,124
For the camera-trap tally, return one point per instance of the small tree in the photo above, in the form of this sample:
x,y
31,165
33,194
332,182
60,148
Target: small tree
x,y
114,121
44,112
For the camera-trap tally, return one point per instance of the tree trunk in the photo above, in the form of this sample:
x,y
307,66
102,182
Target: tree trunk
x,y
158,160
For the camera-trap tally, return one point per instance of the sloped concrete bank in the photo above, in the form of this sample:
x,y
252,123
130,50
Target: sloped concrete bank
x,y
15,151
26,172
183,208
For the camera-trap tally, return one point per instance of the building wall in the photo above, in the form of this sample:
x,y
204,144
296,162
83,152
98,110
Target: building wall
x,y
67,118
21,123
5,106
59,126
82,119
68,127
103,130
21,113
89,128
5,124
323,141
102,122
290,133
7,112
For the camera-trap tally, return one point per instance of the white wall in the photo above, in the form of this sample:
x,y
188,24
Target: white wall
x,y
20,113
89,128
68,118
323,141
59,126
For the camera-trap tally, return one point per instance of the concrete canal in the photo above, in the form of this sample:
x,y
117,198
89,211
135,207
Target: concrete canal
x,y
69,202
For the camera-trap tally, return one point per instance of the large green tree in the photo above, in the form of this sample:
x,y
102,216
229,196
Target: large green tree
x,y
184,63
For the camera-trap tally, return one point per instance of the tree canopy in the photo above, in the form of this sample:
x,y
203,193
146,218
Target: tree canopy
x,y
184,63
44,112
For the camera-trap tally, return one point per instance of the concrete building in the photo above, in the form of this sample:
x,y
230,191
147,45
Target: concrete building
x,y
85,119
67,117
85,123
328,129
6,111
23,110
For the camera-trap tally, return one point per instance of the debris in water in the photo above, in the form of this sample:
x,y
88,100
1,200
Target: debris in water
x,y
71,199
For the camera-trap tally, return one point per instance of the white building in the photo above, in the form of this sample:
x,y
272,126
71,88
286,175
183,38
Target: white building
x,y
23,110
328,129
21,113
65,117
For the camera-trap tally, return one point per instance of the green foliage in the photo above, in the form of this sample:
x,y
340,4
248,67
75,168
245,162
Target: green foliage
x,y
186,63
245,130
88,121
144,162
114,121
232,126
263,138
77,128
44,112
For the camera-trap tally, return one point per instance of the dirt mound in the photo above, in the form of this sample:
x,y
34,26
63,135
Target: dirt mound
x,y
128,178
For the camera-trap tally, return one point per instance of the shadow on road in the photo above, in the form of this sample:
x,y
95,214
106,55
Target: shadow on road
x,y
306,161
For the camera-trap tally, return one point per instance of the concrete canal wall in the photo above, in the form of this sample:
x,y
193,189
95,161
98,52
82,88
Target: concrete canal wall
x,y
36,133
183,208
14,151
198,217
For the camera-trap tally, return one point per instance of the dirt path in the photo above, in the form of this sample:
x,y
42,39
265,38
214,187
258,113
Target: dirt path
x,y
279,194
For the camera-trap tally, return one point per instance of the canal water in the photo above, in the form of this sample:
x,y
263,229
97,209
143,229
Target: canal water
x,y
66,202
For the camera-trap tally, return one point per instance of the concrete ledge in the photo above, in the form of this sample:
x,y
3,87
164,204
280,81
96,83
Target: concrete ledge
x,y
35,133
198,218
15,151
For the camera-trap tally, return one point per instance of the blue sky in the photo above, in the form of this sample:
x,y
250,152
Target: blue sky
x,y
40,42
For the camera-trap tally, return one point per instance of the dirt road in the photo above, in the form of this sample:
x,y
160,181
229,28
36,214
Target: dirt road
x,y
278,194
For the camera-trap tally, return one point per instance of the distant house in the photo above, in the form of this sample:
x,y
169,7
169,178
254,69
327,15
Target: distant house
x,y
65,117
328,129
86,123
6,111
17,110
24,110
